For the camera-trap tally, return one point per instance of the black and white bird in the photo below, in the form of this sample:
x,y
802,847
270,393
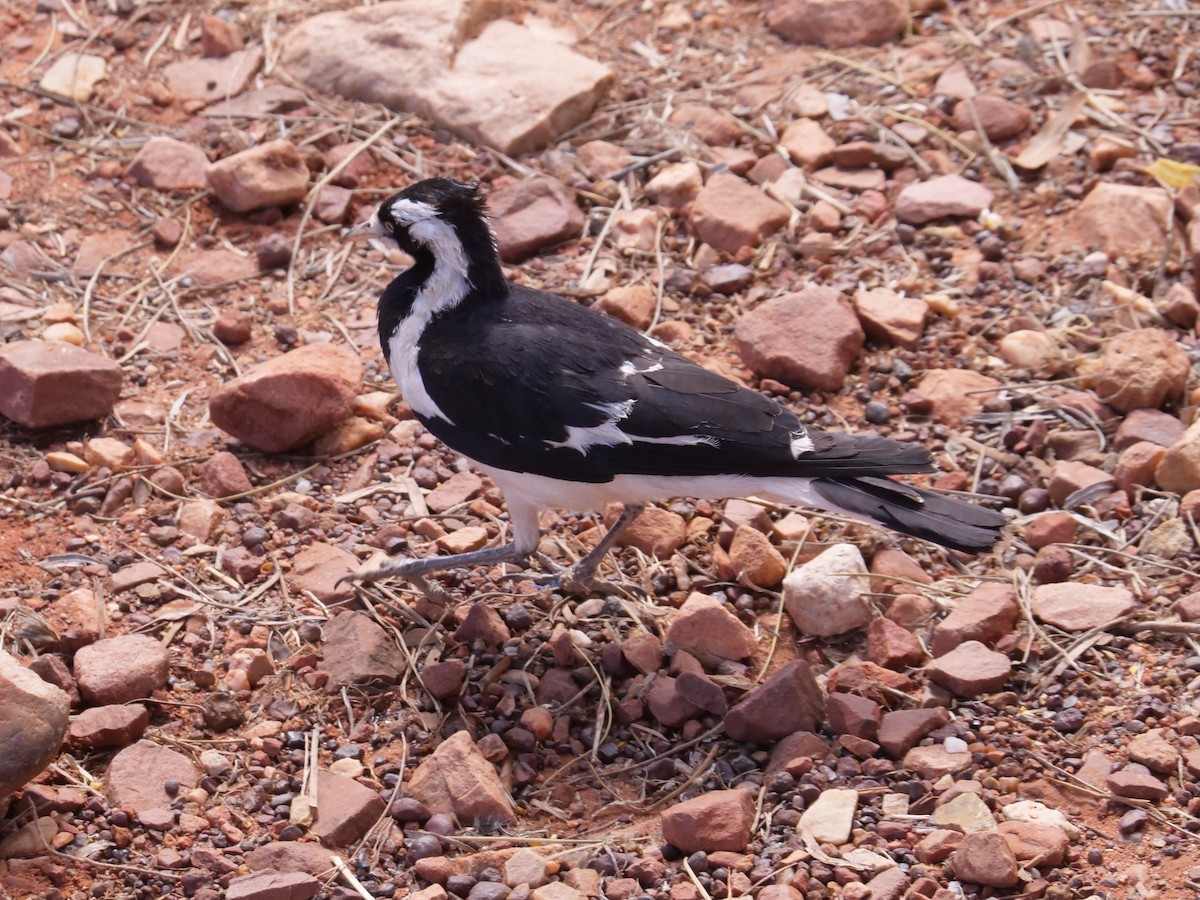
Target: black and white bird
x,y
566,407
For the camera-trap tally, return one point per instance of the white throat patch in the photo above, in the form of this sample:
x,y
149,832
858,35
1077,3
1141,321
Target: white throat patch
x,y
443,290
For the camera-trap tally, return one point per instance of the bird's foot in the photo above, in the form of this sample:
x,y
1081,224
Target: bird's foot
x,y
581,581
405,568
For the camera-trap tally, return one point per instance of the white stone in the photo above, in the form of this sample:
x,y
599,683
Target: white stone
x,y
831,816
74,75
1037,813
967,811
825,596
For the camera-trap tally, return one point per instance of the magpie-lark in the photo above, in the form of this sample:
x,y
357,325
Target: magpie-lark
x,y
566,407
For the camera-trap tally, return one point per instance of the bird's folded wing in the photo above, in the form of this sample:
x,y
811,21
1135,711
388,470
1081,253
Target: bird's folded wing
x,y
561,392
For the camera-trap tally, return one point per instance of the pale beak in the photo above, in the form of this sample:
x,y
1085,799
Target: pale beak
x,y
366,228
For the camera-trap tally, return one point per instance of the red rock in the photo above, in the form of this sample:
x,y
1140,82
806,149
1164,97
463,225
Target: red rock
x,y
332,205
444,679
52,669
1076,606
807,143
675,185
200,518
482,623
1182,308
984,858
356,650
817,356
109,726
730,213
533,214
709,125
1035,845
165,164
890,884
837,23
268,885
95,249
956,394
454,491
1124,221
319,568
754,561
456,780
45,383
271,174
704,625
136,777
902,729
290,856
668,704
633,304
1136,466
1141,369
599,159
33,722
1154,751
892,646
888,318
1053,564
823,597
998,118
702,692
970,669
1179,468
716,820
853,715
210,79
211,268
222,475
895,571
986,615
233,327
1151,425
942,197
643,651
937,846
1136,783
868,679
795,753
1050,528
289,400
1188,608
131,576
1068,476
656,532
787,702
219,38
121,669
347,809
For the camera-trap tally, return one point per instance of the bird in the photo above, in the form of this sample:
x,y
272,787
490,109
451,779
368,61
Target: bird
x,y
566,407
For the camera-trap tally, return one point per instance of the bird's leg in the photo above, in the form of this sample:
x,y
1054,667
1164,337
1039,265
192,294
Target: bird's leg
x,y
579,578
415,568
523,545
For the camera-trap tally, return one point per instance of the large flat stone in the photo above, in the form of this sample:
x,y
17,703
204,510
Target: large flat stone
x,y
460,64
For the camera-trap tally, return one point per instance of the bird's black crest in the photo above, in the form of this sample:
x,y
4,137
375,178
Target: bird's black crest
x,y
455,200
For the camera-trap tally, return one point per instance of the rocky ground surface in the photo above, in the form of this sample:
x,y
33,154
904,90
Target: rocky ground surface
x,y
976,228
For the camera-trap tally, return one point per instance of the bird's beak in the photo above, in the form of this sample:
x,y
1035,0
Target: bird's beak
x,y
366,228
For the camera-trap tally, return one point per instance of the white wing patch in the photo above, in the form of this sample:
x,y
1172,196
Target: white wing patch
x,y
629,368
609,433
801,443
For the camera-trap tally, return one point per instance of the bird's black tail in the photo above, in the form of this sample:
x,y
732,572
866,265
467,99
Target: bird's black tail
x,y
921,513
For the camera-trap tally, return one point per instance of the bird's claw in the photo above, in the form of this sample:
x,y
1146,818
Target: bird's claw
x,y
389,568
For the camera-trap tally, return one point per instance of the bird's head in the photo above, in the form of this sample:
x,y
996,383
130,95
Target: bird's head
x,y
429,214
